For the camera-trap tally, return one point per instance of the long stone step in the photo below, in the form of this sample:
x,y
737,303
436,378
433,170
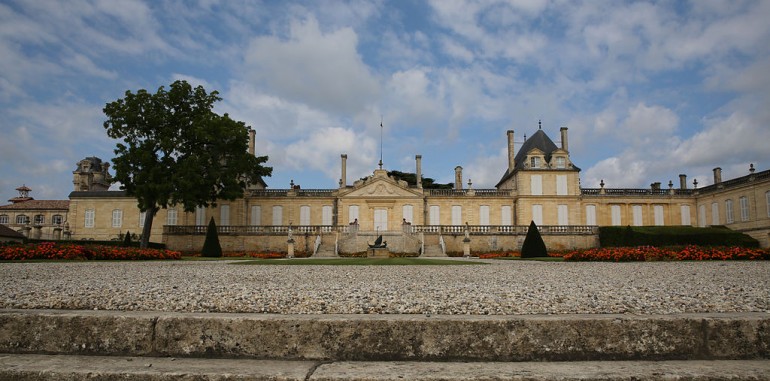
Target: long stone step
x,y
96,368
423,338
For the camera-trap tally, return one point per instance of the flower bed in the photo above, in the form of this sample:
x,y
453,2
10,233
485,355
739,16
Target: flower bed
x,y
51,250
649,253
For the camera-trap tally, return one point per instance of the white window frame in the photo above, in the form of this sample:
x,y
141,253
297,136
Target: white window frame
x,y
117,218
304,215
561,185
729,211
4,219
256,215
380,219
715,213
353,213
224,215
638,218
171,216
457,215
534,162
484,215
434,215
658,215
702,215
744,202
616,216
200,215
277,215
57,219
22,219
142,215
591,215
39,219
561,162
506,215
537,214
326,215
685,212
562,212
536,185
88,218
407,213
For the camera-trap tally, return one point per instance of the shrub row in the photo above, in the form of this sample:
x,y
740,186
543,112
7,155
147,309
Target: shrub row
x,y
651,253
625,236
52,250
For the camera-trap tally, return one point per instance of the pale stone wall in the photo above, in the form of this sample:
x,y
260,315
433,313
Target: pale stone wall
x,y
757,223
671,209
45,230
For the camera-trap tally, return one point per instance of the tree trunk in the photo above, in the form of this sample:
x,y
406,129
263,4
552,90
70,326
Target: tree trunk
x,y
147,229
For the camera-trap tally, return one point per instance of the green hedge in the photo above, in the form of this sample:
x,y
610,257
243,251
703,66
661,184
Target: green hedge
x,y
618,236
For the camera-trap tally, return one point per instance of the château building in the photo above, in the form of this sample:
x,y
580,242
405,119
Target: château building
x,y
540,184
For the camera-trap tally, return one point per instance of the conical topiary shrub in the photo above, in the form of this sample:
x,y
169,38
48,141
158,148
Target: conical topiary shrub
x,y
211,247
127,240
533,244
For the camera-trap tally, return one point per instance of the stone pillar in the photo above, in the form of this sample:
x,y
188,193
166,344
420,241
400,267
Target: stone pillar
x,y
467,243
564,142
290,250
344,172
511,153
57,233
418,174
458,178
682,181
37,231
252,138
25,230
717,175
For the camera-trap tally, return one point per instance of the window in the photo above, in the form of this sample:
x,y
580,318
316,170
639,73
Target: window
x,y
3,218
591,215
658,211
89,218
224,215
277,215
637,214
715,213
484,215
142,215
685,209
256,215
457,215
353,213
326,215
702,216
561,162
57,219
563,215
171,217
534,162
536,185
200,216
537,214
744,208
434,215
22,219
380,220
117,218
304,215
408,213
561,185
506,217
39,219
729,211
615,211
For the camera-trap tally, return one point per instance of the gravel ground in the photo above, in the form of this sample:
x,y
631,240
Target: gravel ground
x,y
500,288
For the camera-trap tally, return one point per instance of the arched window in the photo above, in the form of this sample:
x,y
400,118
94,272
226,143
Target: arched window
x,y
39,219
22,219
3,219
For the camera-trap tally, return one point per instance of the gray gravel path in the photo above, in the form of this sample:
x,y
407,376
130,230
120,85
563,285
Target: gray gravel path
x,y
501,287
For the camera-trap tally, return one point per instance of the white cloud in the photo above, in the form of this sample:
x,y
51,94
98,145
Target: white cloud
x,y
321,151
322,70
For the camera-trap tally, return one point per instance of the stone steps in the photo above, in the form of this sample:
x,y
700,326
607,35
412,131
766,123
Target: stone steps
x,y
433,251
106,345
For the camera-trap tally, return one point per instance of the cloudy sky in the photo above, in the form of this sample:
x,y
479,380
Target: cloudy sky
x,y
648,90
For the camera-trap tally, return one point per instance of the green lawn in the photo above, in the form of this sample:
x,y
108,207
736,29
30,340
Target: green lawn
x,y
358,262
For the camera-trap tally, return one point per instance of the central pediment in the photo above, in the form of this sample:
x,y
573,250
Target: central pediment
x,y
381,186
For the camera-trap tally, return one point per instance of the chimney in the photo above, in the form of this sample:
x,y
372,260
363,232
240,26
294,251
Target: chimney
x,y
458,178
418,174
564,143
511,153
252,137
343,177
717,175
655,186
682,181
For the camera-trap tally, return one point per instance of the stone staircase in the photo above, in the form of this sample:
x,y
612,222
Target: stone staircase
x,y
326,250
433,251
150,346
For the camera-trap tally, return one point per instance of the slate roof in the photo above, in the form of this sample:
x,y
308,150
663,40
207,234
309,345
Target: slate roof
x,y
8,232
97,194
538,140
38,205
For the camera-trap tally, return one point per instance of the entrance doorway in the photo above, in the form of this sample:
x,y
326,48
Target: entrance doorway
x,y
380,219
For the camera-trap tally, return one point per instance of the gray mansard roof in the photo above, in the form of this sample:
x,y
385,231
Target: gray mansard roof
x,y
538,140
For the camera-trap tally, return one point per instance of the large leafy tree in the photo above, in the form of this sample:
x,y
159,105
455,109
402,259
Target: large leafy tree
x,y
174,150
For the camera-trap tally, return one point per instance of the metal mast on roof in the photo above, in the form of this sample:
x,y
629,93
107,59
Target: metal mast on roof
x,y
381,141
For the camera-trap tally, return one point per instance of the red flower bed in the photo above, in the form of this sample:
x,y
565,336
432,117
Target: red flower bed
x,y
52,250
649,253
267,255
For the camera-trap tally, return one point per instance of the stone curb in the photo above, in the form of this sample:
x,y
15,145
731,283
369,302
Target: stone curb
x,y
97,368
388,337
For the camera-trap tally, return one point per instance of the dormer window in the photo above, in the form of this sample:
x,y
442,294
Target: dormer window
x,y
561,162
534,162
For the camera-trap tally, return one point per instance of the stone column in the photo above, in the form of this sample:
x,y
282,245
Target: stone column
x,y
717,175
511,153
57,233
252,138
564,143
37,232
458,178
